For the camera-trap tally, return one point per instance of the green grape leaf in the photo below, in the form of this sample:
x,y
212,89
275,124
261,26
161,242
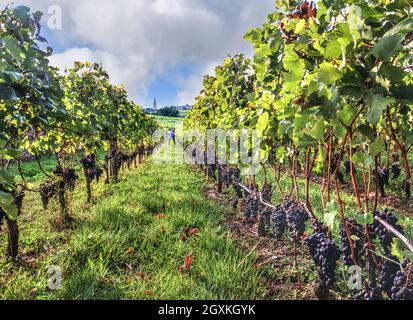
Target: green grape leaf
x,y
360,158
365,219
262,122
7,93
378,104
404,26
347,114
331,214
328,74
292,81
292,62
317,132
300,26
7,204
387,47
376,147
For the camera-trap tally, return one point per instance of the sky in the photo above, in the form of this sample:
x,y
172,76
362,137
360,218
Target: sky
x,y
157,48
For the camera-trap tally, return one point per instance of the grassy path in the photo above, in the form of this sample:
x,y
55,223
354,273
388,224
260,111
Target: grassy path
x,y
128,246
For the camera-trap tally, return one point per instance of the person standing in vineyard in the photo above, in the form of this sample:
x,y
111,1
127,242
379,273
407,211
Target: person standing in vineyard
x,y
172,136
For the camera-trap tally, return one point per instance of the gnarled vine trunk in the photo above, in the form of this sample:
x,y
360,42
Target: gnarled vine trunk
x,y
13,238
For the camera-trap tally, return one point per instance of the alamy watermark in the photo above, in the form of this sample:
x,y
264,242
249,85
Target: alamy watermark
x,y
210,147
55,17
55,277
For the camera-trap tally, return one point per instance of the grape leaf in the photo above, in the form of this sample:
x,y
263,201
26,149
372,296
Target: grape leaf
x,y
376,147
387,47
378,104
317,132
403,27
7,93
328,74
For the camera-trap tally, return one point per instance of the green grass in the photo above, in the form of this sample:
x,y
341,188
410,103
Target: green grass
x,y
120,250
169,122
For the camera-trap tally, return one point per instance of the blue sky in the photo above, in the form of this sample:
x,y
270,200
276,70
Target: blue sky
x,y
157,48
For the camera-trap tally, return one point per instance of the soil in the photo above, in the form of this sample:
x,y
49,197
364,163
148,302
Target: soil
x,y
276,259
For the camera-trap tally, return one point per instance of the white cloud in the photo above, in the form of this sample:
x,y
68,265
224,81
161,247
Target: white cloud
x,y
191,88
192,85
131,70
139,39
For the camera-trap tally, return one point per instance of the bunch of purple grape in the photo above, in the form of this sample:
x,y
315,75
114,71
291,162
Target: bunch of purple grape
x,y
252,206
297,217
325,255
385,236
403,283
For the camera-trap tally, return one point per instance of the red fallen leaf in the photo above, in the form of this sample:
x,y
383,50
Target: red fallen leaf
x,y
187,264
130,251
160,216
148,292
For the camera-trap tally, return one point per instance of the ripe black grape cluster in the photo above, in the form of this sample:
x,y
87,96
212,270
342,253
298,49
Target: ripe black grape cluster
x,y
389,268
403,282
297,218
90,168
225,173
318,227
68,175
18,200
211,169
383,179
273,221
236,180
252,206
356,230
372,292
278,222
47,191
325,254
395,171
66,178
385,236
231,176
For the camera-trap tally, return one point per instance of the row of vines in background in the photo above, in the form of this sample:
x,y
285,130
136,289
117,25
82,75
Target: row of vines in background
x,y
330,88
69,115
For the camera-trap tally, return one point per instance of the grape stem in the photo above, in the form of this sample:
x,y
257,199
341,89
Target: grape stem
x,y
390,228
384,257
40,166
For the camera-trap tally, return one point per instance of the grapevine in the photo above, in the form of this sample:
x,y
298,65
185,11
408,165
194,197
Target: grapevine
x,y
357,231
